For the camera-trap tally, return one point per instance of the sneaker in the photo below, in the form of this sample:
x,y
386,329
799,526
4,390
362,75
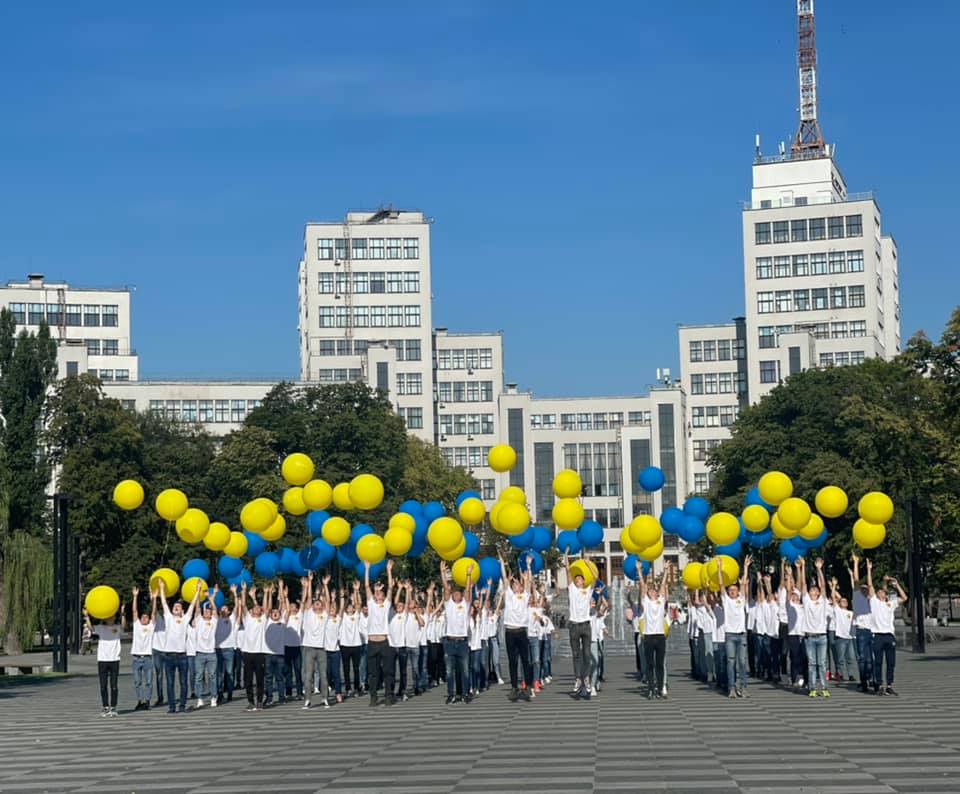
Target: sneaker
x,y
742,693
105,711
250,707
537,686
577,686
825,693
213,703
800,682
199,703
403,698
881,691
593,691
373,700
181,710
316,690
514,695
813,693
892,691
113,712
499,680
863,687
664,695
467,698
326,703
159,701
169,711
525,695
306,705
450,700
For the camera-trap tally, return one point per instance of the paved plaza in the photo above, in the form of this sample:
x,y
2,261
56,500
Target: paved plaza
x,y
53,739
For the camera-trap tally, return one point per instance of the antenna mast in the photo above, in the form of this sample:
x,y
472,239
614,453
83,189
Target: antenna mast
x,y
809,141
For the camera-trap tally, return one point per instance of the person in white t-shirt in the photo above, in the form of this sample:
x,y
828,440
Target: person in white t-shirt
x,y
226,645
883,608
351,642
546,646
653,601
331,644
770,608
581,599
457,608
516,615
842,627
795,628
475,632
733,600
205,640
141,650
492,635
534,632
273,635
292,638
863,625
254,623
815,628
396,636
313,626
108,659
177,628
598,630
380,656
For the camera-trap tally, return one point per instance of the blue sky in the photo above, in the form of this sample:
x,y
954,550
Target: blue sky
x,y
583,162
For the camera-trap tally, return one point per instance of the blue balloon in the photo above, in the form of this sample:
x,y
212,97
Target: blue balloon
x,y
229,566
419,545
651,479
472,547
567,541
255,544
267,564
760,540
464,495
289,561
359,531
804,545
734,549
244,577
630,567
219,599
542,539
791,551
590,534
309,558
524,540
326,551
600,590
315,520
671,519
196,567
347,555
753,498
691,529
376,570
433,510
489,569
412,507
697,506
420,527
530,558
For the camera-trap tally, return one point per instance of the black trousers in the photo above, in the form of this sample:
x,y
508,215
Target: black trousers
x,y
380,661
351,658
884,650
436,667
798,660
752,661
518,649
108,672
654,649
254,669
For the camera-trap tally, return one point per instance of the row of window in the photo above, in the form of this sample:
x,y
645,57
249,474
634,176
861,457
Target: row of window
x,y
589,421
110,375
70,314
369,248
102,347
834,330
804,300
803,229
406,349
467,457
718,350
203,410
465,424
369,317
468,358
413,417
598,465
409,383
702,446
375,283
470,391
842,358
822,264
714,415
719,383
339,375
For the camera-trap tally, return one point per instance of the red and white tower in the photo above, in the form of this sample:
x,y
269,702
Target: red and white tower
x,y
809,140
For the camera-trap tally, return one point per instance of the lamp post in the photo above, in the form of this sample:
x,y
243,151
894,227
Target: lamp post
x,y
915,576
61,583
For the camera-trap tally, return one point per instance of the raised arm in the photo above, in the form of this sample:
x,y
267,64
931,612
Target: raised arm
x,y
901,593
468,590
355,595
818,563
163,599
834,595
663,582
389,597
237,603
504,573
444,582
134,597
855,574
193,605
429,608
306,591
366,580
870,591
153,606
745,577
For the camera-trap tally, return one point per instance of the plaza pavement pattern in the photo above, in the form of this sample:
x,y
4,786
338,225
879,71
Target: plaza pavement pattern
x,y
52,738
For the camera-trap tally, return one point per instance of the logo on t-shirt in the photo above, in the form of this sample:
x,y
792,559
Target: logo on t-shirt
x,y
179,621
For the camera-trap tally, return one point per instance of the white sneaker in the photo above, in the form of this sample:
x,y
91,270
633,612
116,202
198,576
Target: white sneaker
x,y
316,690
578,685
548,679
213,702
199,703
800,682
326,703
499,680
113,712
105,712
593,691
306,704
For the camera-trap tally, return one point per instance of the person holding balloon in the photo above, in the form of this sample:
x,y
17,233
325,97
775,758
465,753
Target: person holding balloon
x,y
546,645
580,599
251,643
141,650
795,628
516,614
475,640
177,627
863,623
492,634
734,604
226,649
815,628
883,608
456,609
273,634
205,639
351,645
314,630
653,600
108,658
380,656
843,643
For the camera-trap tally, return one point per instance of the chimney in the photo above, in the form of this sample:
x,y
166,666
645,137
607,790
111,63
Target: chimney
x,y
35,280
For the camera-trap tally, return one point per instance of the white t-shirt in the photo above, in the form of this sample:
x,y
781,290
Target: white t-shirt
x,y
795,619
734,617
227,632
411,631
273,636
475,637
830,617
548,627
814,615
378,618
782,604
291,637
458,618
350,630
177,629
718,633
759,615
159,633
108,648
862,614
882,613
842,621
205,635
491,624
142,640
705,619
597,626
752,617
515,610
191,640
580,600
314,627
771,610
534,628
364,628
422,633
331,638
396,630
653,612
251,638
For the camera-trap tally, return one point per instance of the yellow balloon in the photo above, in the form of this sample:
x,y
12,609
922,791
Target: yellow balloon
x,y
366,492
779,530
371,548
705,582
276,530
398,541
691,574
644,531
831,501
794,513
813,528
495,515
403,521
335,530
756,518
459,571
867,535
217,537
501,458
513,493
875,508
580,568
568,514
193,525
341,497
317,495
293,501
191,586
472,511
652,552
774,487
236,546
171,504
627,542
128,495
444,534
102,602
258,515
723,528
297,469
731,570
567,484
170,579
454,554
514,518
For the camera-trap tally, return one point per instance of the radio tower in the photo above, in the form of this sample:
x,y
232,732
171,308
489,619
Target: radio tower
x,y
809,141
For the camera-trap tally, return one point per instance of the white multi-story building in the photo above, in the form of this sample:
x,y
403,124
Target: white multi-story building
x,y
365,282
91,326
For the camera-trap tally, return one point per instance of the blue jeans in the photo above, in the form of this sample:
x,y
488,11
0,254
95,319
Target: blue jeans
x,y
476,668
176,666
456,654
143,678
206,670
546,656
865,655
363,665
736,645
225,657
191,672
843,651
493,658
535,656
816,645
333,671
293,668
159,670
276,675
422,668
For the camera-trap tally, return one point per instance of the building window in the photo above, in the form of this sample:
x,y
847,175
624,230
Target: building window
x,y
764,269
326,283
93,346
781,267
856,357
411,248
858,328
817,228
819,296
764,302
784,300
415,418
781,232
106,374
340,250
111,347
206,411
837,262
486,358
19,312
393,248
838,297
376,248
74,315
768,371
710,383
728,415
857,297
838,330
800,265
361,283
378,282
835,227
109,316
411,316
394,282
36,314
359,249
762,233
343,317
713,416
740,379
324,249
818,264
723,349
854,226
798,231
411,281
739,349
696,387
698,416
325,314
54,313
409,383
696,351
767,336
488,489
378,316
701,482
855,261
725,382
700,449
826,359
801,300
709,350
412,352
